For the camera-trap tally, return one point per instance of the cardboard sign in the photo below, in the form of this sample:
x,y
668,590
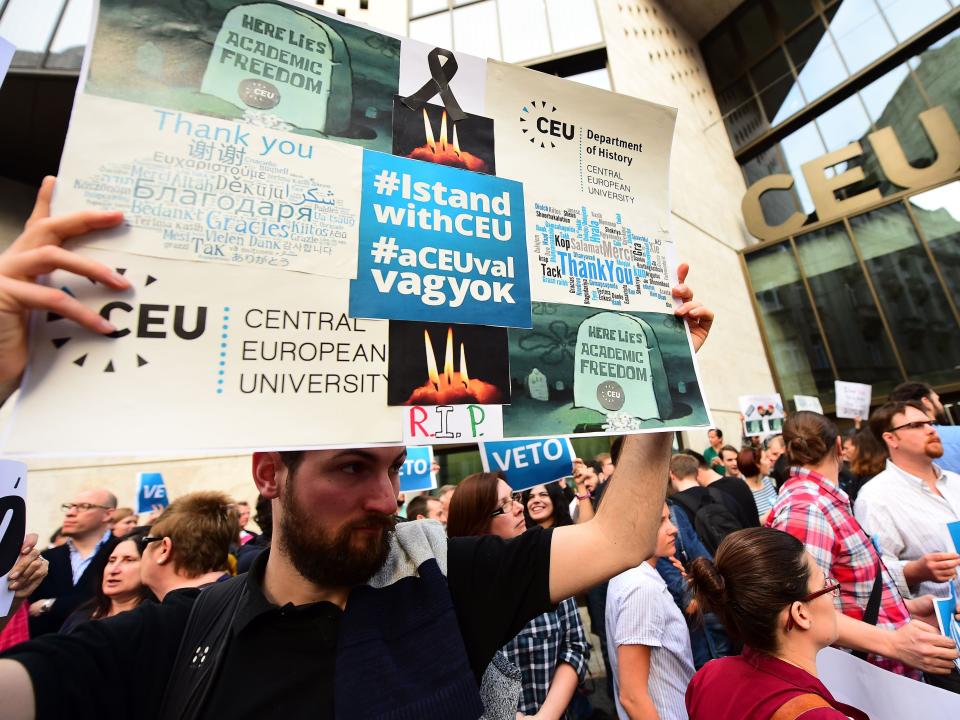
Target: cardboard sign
x,y
880,693
762,414
151,492
451,424
526,463
7,51
439,244
415,473
853,399
13,523
808,402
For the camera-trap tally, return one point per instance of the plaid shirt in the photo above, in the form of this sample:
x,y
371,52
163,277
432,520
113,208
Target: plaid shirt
x,y
818,513
545,642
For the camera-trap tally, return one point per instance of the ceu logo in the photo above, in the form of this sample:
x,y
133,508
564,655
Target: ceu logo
x,y
146,321
542,127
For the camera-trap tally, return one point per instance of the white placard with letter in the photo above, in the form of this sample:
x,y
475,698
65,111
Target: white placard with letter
x,y
808,402
853,399
13,523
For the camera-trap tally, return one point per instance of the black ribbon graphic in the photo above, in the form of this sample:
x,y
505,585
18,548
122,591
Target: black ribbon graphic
x,y
439,82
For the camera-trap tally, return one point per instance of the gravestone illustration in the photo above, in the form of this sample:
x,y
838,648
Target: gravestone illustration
x,y
618,368
272,58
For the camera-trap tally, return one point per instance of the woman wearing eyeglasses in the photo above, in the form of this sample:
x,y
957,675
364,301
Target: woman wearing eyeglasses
x,y
773,597
551,651
118,586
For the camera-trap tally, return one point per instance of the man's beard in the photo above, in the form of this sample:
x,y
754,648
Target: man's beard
x,y
933,449
333,561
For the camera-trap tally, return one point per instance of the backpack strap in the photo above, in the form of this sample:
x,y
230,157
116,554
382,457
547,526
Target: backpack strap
x,y
798,705
872,612
201,650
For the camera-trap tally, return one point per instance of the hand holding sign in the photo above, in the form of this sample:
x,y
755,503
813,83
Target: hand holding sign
x,y
37,252
699,318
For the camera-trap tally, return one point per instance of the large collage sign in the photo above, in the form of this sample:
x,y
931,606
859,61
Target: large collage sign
x,y
341,237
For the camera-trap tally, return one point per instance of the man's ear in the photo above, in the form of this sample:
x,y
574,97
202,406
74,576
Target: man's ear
x,y
164,552
268,469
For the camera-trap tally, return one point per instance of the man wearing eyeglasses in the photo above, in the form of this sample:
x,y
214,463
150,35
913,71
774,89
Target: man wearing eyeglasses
x,y
908,505
86,525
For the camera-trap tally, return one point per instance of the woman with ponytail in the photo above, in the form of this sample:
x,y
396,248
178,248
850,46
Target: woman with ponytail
x,y
773,597
813,509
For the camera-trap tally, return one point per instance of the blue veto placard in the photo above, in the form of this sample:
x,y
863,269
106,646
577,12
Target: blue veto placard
x,y
440,244
415,473
526,463
151,492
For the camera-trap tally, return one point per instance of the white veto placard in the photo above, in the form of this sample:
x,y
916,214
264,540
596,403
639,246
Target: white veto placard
x,y
881,694
13,523
808,402
762,414
853,399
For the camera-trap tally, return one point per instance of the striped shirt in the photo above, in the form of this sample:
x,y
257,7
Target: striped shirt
x,y
909,520
765,497
641,611
545,642
818,514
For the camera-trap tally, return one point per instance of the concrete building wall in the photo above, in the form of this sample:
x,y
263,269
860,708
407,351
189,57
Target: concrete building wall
x,y
651,56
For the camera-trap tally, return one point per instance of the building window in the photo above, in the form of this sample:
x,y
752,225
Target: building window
x,y
509,30
777,56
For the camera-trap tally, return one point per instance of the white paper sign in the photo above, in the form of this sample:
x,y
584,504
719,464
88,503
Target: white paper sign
x,y
808,402
853,399
13,519
762,414
451,424
879,693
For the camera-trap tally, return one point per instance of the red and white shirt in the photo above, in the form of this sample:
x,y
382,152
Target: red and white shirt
x,y
818,514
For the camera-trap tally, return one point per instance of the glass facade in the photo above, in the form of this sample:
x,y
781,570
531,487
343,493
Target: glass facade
x,y
870,297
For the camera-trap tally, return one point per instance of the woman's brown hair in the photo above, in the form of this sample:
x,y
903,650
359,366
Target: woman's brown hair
x,y
871,457
756,573
471,505
808,437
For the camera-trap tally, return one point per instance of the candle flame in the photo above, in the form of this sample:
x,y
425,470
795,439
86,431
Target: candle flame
x,y
431,361
448,357
428,131
456,142
443,131
463,366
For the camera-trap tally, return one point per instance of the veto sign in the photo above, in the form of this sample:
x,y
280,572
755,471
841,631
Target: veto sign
x,y
526,463
151,492
415,473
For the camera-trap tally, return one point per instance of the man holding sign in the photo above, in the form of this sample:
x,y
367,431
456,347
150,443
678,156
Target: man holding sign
x,y
424,616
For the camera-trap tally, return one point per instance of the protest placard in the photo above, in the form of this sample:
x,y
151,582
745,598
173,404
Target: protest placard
x,y
269,236
853,399
762,414
526,463
151,492
203,356
808,402
415,473
880,693
13,523
946,612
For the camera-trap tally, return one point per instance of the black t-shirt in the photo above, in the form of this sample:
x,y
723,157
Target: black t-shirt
x,y
280,660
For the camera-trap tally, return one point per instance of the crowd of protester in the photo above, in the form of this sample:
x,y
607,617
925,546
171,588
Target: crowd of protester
x,y
710,581
723,619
